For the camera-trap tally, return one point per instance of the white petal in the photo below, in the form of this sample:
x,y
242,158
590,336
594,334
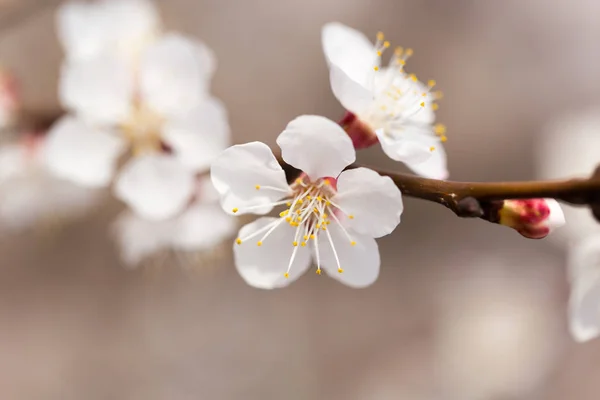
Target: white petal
x,y
82,29
413,147
99,89
155,186
557,216
360,262
13,159
373,200
584,305
349,50
175,74
236,172
264,266
203,226
133,23
82,154
89,29
199,135
139,238
317,146
352,96
435,167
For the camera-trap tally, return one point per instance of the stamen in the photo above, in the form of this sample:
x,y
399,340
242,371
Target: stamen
x,y
337,260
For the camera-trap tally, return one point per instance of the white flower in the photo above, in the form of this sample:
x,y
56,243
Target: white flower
x,y
30,194
387,102
124,27
584,305
164,114
201,226
331,216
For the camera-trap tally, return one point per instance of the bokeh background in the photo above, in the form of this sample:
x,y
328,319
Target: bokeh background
x,y
463,310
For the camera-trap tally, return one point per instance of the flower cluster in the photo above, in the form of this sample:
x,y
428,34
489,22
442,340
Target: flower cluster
x,y
139,97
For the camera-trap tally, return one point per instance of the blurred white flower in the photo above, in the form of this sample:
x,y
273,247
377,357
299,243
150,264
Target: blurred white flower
x,y
201,226
123,27
9,98
30,194
385,103
162,111
584,273
361,204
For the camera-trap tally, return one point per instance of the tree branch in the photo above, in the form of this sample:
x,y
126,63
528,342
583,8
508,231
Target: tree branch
x,y
479,200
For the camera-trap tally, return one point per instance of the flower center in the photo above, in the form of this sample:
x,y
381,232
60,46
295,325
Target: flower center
x,y
143,130
310,210
399,98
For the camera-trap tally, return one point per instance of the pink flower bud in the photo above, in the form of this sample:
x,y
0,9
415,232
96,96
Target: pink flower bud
x,y
532,218
361,134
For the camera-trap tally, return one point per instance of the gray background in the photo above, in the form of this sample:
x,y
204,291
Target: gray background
x,y
462,310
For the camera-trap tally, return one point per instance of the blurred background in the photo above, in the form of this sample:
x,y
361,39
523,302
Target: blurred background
x,y
462,310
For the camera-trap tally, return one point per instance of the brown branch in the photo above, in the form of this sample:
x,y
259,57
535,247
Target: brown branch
x,y
479,200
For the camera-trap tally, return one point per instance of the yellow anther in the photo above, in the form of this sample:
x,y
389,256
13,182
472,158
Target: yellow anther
x,y
424,94
312,237
298,180
432,148
376,68
327,222
444,139
439,129
422,104
257,187
386,44
431,83
413,77
319,198
327,182
303,244
328,203
324,216
294,224
259,243
353,243
289,204
305,237
380,36
409,52
378,53
289,219
438,94
324,228
286,275
235,210
435,106
238,241
283,213
298,219
318,271
309,197
294,243
318,226
300,201
351,216
398,51
340,270
316,210
403,63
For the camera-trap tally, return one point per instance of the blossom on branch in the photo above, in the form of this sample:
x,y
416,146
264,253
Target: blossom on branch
x,y
385,103
329,215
